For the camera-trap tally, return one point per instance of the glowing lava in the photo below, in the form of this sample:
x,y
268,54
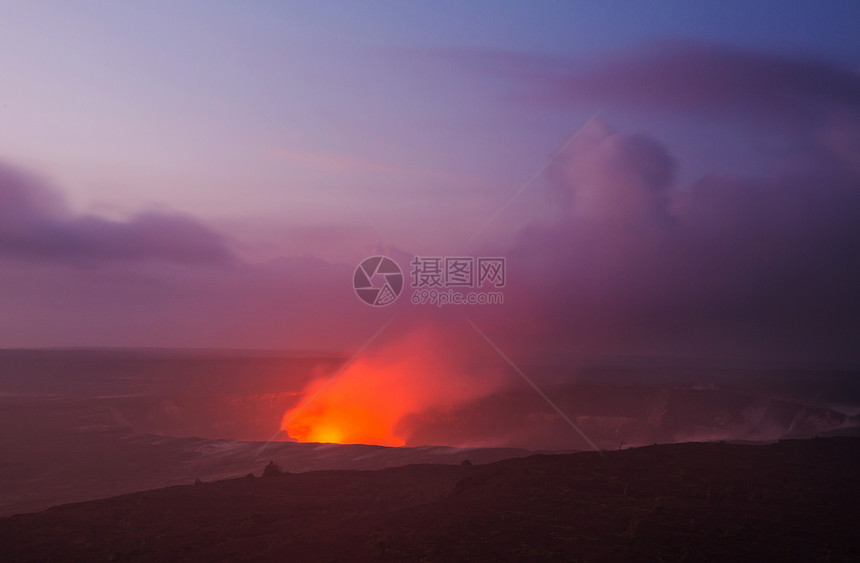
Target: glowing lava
x,y
357,407
365,403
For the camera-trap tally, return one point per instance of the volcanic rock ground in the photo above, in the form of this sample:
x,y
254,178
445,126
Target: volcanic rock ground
x,y
795,500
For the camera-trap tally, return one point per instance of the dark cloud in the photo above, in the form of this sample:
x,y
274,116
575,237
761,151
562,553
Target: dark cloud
x,y
689,77
34,224
162,280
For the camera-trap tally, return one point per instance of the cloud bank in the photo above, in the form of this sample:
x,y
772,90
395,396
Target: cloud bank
x,y
35,224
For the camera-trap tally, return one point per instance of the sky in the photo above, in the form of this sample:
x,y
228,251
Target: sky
x,y
670,180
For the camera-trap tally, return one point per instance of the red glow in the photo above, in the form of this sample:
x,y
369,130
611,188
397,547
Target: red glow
x,y
365,403
360,406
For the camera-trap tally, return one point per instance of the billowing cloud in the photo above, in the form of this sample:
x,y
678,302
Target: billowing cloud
x,y
35,224
759,263
728,265
615,177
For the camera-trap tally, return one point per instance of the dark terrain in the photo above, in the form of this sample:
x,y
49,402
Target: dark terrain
x,y
793,500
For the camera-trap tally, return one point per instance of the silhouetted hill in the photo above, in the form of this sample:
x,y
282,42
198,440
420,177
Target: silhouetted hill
x,y
793,500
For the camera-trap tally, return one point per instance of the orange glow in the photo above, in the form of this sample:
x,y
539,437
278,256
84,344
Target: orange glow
x,y
352,409
365,403
325,434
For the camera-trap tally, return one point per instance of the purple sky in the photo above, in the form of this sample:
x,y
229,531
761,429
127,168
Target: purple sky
x,y
210,175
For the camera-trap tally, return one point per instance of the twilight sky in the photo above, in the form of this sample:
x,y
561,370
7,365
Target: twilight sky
x,y
210,174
